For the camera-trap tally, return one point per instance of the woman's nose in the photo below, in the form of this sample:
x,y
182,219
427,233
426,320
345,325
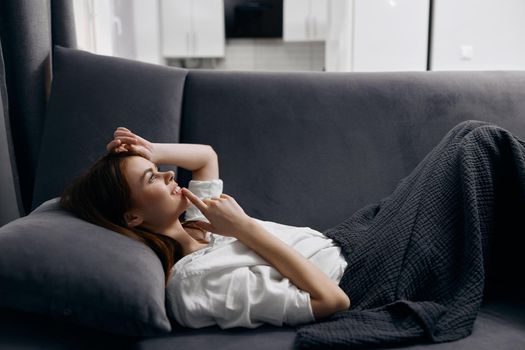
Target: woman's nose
x,y
169,175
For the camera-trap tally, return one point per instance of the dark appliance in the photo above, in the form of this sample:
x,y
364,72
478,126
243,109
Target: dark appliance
x,y
253,19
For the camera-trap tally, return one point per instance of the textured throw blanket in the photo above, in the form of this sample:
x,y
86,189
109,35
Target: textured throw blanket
x,y
417,259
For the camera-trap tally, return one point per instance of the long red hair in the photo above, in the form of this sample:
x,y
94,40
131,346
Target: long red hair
x,y
102,195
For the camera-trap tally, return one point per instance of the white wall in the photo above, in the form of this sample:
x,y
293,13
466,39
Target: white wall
x,y
492,31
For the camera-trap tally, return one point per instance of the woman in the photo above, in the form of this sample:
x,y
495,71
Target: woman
x,y
222,266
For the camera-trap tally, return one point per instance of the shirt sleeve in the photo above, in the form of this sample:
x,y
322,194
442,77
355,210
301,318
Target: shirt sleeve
x,y
244,297
202,189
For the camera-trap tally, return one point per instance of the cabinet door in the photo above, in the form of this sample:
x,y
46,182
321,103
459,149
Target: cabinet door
x,y
318,17
176,28
390,35
296,23
208,28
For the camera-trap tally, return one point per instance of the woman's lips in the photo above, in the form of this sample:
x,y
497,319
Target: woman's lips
x,y
177,191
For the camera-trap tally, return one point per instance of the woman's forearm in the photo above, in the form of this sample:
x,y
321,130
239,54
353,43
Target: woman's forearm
x,y
325,295
202,160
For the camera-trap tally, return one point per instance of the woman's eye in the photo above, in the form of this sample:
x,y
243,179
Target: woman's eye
x,y
154,176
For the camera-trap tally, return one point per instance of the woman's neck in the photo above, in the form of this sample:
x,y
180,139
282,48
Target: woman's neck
x,y
187,242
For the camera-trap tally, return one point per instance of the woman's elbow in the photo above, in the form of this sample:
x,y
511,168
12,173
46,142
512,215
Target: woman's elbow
x,y
344,302
331,305
214,157
340,302
212,151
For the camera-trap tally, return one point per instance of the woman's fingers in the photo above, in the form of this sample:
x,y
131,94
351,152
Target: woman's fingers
x,y
123,140
120,143
194,199
126,139
123,133
112,144
116,145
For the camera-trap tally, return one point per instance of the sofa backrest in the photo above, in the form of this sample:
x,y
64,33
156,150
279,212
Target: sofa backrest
x,y
309,149
91,96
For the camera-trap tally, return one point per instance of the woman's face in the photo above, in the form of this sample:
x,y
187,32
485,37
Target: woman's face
x,y
155,200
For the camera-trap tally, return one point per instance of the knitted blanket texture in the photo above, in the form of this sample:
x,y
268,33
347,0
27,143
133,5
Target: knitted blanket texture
x,y
418,259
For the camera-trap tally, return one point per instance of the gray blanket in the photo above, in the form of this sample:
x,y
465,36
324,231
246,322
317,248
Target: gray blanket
x,y
417,259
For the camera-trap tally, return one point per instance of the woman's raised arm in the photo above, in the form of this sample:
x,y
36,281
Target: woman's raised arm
x,y
201,159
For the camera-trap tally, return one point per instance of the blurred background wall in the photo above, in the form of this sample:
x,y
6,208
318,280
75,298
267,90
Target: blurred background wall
x,y
312,35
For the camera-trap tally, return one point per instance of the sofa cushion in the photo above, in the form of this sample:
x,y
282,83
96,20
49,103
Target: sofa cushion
x,y
91,96
55,264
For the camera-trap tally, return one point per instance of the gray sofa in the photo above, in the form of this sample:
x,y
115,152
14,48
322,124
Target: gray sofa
x,y
299,148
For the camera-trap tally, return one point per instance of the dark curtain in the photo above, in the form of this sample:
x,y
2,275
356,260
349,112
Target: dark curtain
x,y
28,30
10,207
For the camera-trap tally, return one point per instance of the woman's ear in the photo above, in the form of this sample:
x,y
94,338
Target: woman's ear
x,y
132,219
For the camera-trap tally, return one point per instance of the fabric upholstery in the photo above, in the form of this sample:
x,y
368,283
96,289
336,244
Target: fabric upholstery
x,y
499,325
91,96
54,264
309,148
53,333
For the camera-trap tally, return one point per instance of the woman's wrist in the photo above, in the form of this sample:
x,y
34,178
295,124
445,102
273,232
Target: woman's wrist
x,y
246,226
154,157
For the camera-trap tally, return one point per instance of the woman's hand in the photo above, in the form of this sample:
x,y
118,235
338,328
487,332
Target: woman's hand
x,y
226,217
125,140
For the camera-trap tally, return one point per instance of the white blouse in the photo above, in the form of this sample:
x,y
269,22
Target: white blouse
x,y
230,285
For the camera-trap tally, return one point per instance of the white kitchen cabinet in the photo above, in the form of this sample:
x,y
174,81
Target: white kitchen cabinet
x,y
304,20
192,28
377,35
